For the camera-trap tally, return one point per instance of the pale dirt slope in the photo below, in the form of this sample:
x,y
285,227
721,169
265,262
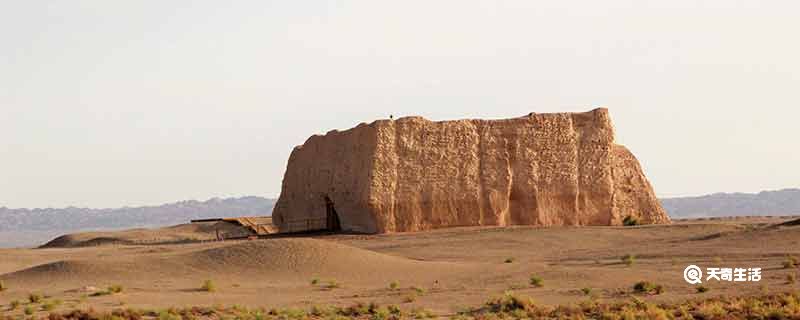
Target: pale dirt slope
x,y
275,261
190,232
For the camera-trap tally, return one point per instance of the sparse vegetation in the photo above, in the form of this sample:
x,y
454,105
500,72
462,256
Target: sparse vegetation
x,y
394,285
646,287
536,281
420,313
784,306
208,286
702,289
509,260
717,261
314,281
510,303
115,288
100,293
34,298
50,305
419,290
333,284
409,298
586,291
166,315
321,311
628,259
630,221
791,278
29,310
3,286
790,262
508,306
14,304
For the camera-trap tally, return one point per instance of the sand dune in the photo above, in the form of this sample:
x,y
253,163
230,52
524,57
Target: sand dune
x,y
276,260
190,232
298,256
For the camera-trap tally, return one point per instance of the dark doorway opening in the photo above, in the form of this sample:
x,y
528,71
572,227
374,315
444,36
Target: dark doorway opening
x,y
333,223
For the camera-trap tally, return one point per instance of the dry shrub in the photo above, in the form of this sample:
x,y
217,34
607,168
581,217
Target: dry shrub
x,y
208,286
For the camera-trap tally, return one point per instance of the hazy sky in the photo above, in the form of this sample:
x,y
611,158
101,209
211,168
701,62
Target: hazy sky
x,y
112,103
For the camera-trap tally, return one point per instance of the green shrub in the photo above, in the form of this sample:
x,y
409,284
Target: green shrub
x,y
208,286
49,305
509,260
29,310
422,314
702,289
628,259
510,303
34,298
394,309
410,298
319,311
419,290
100,293
14,304
314,281
393,285
115,288
630,221
536,281
164,315
381,314
333,284
586,291
648,288
791,262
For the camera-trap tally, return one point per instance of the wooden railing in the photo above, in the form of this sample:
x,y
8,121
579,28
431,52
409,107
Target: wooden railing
x,y
304,225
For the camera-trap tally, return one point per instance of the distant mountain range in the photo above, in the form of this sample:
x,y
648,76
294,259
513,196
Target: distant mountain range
x,y
167,214
765,203
779,202
24,227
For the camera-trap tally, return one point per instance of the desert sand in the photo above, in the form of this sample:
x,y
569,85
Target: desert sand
x,y
456,268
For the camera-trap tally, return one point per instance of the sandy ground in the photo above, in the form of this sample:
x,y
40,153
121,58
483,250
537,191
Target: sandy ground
x,y
457,268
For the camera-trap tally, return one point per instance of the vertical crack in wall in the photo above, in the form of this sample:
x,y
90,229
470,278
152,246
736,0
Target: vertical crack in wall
x,y
480,127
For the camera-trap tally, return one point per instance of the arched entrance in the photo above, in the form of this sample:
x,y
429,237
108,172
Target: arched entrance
x,y
332,218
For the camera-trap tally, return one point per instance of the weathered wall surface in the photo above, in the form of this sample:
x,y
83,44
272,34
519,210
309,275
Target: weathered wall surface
x,y
336,165
414,174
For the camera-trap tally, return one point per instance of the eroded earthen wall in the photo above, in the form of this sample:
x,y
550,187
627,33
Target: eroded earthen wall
x,y
337,166
414,174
